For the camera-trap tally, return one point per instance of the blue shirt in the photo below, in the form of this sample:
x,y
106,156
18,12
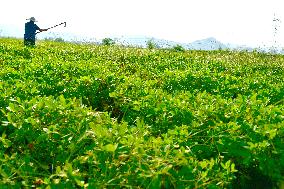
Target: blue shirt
x,y
30,30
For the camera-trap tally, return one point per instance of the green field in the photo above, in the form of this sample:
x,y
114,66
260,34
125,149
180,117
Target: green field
x,y
90,116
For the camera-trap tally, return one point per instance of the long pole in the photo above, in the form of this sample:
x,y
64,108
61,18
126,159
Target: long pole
x,y
55,26
58,25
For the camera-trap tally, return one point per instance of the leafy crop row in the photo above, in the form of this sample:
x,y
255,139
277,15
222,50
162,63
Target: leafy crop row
x,y
112,117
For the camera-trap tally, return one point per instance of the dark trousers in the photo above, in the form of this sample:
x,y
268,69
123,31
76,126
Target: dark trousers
x,y
29,42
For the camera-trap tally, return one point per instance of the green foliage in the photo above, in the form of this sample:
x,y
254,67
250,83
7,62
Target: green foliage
x,y
178,48
108,41
87,116
151,44
57,39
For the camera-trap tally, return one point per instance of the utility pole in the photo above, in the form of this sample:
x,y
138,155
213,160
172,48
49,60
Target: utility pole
x,y
276,25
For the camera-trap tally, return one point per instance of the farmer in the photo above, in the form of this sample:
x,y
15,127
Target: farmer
x,y
30,32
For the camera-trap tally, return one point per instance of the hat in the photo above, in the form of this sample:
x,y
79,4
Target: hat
x,y
32,19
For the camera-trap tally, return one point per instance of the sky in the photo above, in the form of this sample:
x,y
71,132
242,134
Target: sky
x,y
242,22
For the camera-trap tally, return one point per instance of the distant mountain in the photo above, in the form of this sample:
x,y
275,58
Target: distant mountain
x,y
210,43
204,44
207,44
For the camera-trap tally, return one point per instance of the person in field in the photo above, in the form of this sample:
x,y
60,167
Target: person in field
x,y
30,32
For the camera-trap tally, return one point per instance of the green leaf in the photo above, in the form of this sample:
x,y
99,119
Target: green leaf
x,y
110,147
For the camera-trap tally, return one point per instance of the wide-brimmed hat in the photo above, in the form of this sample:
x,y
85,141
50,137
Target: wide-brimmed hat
x,y
32,19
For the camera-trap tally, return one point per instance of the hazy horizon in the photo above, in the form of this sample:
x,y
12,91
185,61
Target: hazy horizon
x,y
240,22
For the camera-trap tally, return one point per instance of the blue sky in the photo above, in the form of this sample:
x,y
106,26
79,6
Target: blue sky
x,y
244,22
